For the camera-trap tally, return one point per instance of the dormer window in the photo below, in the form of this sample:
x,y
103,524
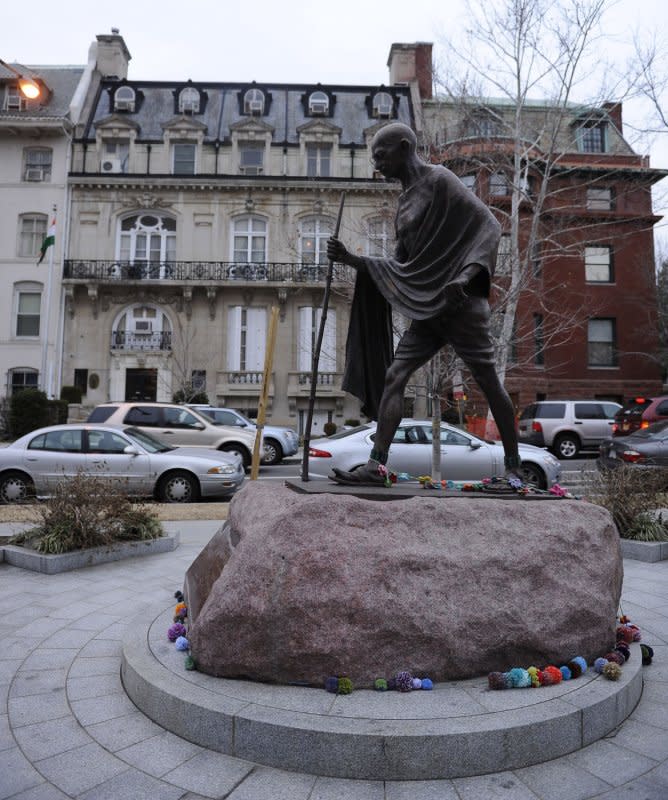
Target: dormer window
x,y
189,101
254,102
124,99
318,103
14,100
592,137
382,105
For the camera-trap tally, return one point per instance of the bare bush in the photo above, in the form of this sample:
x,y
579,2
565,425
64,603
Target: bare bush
x,y
87,511
631,494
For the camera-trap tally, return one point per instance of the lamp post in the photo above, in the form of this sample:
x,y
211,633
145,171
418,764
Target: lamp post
x,y
28,87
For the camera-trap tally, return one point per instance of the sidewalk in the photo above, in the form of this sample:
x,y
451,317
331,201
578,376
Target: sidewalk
x,y
67,729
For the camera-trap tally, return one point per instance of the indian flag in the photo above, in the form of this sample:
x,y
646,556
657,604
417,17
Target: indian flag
x,y
49,240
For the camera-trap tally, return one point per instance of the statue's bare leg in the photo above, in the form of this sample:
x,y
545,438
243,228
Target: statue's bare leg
x,y
390,411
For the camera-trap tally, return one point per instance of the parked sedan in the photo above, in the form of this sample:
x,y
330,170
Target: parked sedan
x,y
647,447
464,457
135,461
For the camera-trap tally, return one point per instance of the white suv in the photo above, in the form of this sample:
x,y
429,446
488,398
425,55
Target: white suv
x,y
567,426
179,426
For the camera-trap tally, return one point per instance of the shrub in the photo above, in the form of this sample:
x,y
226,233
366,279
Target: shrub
x,y
352,423
29,410
87,511
630,493
57,412
329,428
71,394
190,396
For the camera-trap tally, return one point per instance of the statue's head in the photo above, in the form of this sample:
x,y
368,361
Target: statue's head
x,y
393,133
392,148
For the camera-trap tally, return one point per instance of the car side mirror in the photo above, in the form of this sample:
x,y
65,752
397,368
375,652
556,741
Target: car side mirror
x,y
199,426
130,451
474,445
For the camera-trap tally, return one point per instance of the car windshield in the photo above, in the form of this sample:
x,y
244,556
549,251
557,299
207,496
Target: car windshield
x,y
350,432
655,430
147,441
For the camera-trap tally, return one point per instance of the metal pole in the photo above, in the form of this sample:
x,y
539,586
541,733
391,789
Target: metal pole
x,y
316,351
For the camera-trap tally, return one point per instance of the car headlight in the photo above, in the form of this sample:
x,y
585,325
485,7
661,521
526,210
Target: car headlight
x,y
222,469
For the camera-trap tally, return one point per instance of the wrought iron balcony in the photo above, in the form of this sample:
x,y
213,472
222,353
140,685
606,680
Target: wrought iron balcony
x,y
106,271
141,342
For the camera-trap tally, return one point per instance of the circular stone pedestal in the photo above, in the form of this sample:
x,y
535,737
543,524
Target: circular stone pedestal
x,y
456,730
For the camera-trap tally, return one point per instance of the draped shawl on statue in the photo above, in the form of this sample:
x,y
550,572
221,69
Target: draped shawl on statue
x,y
441,227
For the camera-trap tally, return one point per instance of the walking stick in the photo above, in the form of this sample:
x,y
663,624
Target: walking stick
x,y
316,352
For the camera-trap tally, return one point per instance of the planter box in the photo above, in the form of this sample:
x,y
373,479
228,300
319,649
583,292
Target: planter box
x,y
644,551
52,564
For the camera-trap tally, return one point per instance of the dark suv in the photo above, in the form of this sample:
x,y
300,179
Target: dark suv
x,y
638,413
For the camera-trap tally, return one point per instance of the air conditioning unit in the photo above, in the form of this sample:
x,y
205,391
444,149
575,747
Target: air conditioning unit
x,y
124,104
382,111
34,174
190,106
252,170
255,106
318,107
143,326
112,164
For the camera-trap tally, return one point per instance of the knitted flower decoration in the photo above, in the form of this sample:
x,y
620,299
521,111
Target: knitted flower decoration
x,y
404,681
176,630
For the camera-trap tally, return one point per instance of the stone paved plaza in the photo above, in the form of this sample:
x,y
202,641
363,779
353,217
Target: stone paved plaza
x,y
68,730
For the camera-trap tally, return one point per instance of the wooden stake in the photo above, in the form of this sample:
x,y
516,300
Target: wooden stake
x,y
264,394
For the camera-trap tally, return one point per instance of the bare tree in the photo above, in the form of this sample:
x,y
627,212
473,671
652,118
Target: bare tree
x,y
516,51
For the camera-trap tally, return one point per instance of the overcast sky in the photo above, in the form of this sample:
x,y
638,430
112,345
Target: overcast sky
x,y
294,41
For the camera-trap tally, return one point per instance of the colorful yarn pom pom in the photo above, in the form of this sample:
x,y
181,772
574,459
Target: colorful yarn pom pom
x,y
380,685
179,607
520,678
178,595
182,643
176,630
612,671
427,684
647,654
624,649
583,664
566,674
332,685
404,681
345,686
615,657
391,684
417,683
575,668
496,680
599,664
625,633
189,663
534,674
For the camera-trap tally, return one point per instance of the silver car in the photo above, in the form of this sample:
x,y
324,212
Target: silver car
x,y
464,457
278,442
135,461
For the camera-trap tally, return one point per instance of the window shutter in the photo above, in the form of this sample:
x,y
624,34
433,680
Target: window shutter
x,y
256,338
304,357
328,351
234,337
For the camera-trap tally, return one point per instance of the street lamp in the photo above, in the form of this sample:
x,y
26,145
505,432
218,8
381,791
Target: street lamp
x,y
28,86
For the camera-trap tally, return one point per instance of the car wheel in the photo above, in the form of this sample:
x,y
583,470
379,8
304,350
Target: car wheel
x,y
178,487
16,487
566,446
272,452
533,475
238,450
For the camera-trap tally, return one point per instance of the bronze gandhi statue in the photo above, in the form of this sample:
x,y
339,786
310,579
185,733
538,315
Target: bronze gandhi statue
x,y
440,278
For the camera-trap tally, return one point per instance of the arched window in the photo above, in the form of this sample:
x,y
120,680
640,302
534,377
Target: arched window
x,y
318,103
147,242
254,102
382,105
189,100
141,327
313,235
250,240
124,99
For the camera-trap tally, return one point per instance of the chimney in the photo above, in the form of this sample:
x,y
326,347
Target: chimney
x,y
113,55
410,63
615,113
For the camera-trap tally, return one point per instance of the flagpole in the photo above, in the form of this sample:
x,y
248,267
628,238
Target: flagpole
x,y
47,383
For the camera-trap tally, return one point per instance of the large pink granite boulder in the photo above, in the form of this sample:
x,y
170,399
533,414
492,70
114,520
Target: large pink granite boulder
x,y
322,585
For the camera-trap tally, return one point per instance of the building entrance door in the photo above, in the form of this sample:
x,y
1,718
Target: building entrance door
x,y
141,384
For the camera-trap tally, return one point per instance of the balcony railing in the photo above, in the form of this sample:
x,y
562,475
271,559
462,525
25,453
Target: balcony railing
x,y
137,342
200,271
